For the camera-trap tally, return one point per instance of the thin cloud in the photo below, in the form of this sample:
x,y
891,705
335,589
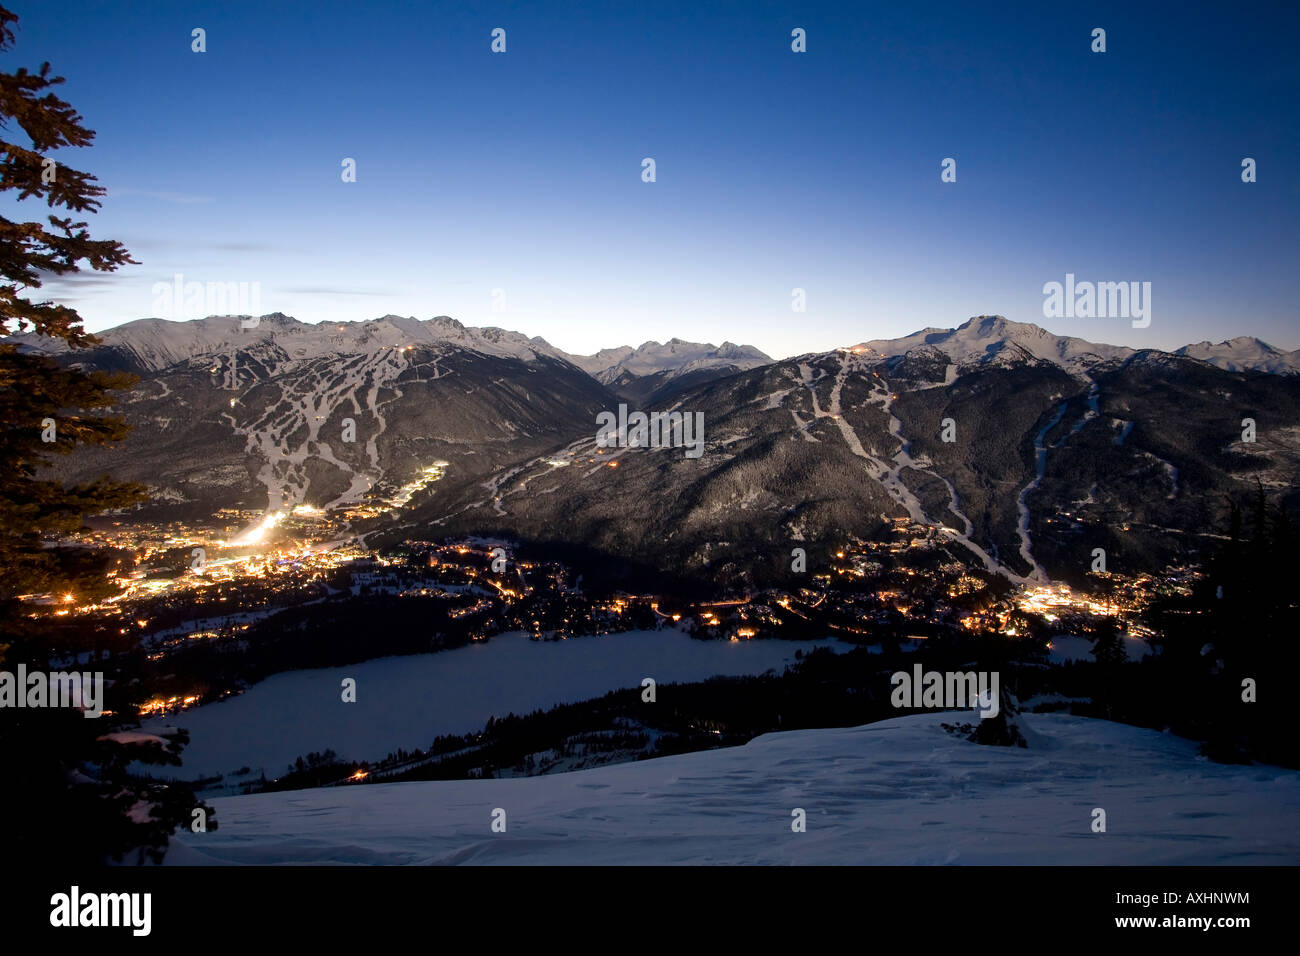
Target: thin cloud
x,y
327,290
183,198
239,246
153,242
80,281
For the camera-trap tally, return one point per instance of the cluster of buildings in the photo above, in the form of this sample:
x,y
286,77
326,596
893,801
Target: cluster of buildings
x,y
902,584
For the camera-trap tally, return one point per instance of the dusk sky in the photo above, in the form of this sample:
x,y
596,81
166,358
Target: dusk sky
x,y
775,170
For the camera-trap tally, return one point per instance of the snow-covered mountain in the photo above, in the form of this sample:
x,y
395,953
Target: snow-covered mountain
x,y
991,340
1051,438
675,356
994,340
1054,436
331,415
233,416
595,364
152,345
1245,353
900,791
652,373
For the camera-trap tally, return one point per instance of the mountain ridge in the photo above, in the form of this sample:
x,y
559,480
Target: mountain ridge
x,y
1057,446
154,344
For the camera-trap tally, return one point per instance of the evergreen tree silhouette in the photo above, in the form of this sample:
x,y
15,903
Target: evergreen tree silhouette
x,y
65,776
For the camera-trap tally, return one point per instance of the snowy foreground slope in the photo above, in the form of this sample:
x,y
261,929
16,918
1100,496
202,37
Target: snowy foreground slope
x,y
901,791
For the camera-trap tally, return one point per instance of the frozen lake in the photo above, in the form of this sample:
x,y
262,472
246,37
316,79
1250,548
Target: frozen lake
x,y
408,701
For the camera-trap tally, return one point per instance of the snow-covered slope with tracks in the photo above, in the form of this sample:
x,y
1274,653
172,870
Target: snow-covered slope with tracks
x,y
901,791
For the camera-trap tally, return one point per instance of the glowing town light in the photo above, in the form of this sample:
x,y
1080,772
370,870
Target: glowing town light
x,y
258,533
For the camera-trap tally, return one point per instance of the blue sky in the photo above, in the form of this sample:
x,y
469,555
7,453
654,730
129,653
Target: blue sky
x,y
775,170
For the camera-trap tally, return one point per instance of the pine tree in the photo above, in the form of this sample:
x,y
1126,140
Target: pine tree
x,y
1110,653
1237,624
1108,646
46,410
66,776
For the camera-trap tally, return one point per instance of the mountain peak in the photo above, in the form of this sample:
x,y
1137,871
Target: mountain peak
x,y
674,357
995,339
155,344
1244,353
